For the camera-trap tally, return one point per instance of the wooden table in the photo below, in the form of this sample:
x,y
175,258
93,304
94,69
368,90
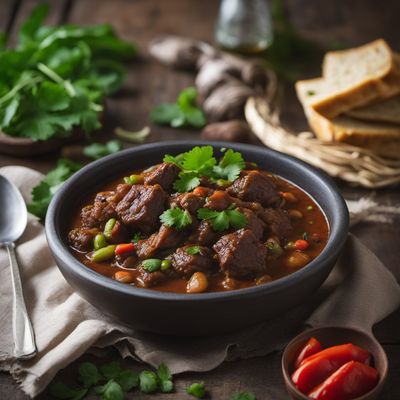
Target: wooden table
x,y
149,84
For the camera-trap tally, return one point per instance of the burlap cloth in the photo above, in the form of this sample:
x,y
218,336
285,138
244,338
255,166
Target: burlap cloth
x,y
359,292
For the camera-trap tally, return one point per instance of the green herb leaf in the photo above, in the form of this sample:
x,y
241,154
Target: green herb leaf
x,y
99,150
44,191
243,396
134,137
148,382
165,378
176,218
186,182
110,391
60,390
221,220
199,159
197,390
230,165
193,250
127,380
182,113
88,374
111,370
137,236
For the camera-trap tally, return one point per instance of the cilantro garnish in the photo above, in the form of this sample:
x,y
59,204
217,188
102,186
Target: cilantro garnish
x,y
193,250
243,396
148,382
99,150
165,378
197,390
176,218
138,236
56,77
222,220
44,191
229,166
200,162
182,113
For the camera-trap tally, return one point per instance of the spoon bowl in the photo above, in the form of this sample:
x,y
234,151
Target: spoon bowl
x,y
13,220
13,214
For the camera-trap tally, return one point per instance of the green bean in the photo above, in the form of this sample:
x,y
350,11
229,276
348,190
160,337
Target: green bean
x,y
165,264
103,254
99,241
135,179
109,227
151,264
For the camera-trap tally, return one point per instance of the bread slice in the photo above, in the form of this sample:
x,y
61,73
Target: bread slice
x,y
384,111
356,77
382,138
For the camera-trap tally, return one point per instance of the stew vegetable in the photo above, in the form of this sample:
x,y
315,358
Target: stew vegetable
x,y
194,224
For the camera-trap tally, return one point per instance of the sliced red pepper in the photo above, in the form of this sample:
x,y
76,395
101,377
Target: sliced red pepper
x,y
350,381
316,368
312,346
124,248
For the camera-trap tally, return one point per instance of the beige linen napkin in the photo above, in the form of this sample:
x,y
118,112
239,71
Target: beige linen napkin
x,y
360,292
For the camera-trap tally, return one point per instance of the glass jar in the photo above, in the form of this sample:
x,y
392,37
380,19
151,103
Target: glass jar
x,y
244,26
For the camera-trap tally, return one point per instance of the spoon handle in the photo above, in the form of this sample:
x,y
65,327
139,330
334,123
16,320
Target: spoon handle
x,y
24,340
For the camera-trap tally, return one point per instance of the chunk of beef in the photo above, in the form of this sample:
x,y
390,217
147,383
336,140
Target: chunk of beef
x,y
219,200
186,264
164,174
141,207
103,207
240,254
204,234
81,239
127,260
149,279
187,201
255,186
165,238
278,222
255,224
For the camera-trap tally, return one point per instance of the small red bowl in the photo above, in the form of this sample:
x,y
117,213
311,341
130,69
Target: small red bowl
x,y
332,336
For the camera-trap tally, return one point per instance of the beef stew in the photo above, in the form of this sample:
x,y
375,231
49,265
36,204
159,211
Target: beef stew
x,y
192,224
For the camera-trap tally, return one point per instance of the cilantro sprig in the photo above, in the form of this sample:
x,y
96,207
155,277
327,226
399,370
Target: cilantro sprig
x,y
99,150
112,382
56,77
176,218
45,190
182,113
222,220
200,162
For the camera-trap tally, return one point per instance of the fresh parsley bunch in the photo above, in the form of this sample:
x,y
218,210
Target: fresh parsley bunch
x,y
56,77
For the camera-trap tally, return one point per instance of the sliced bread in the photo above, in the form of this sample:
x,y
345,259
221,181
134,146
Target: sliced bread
x,y
356,77
382,138
383,111
387,110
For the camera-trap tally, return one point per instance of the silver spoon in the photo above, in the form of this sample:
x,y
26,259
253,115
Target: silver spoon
x,y
13,220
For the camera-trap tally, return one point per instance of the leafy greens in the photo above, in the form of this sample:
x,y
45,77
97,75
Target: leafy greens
x,y
56,78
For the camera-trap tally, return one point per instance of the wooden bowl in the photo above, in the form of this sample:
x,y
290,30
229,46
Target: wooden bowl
x,y
26,147
332,336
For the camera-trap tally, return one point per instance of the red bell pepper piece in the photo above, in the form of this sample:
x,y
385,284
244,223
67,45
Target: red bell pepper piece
x,y
349,382
124,248
311,347
316,368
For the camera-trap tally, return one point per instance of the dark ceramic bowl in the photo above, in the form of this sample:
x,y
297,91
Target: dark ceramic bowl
x,y
193,314
332,336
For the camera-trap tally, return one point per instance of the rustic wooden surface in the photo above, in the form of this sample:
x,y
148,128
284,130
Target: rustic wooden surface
x,y
149,83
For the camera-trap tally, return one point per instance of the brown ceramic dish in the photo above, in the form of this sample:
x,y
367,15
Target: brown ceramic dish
x,y
331,336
